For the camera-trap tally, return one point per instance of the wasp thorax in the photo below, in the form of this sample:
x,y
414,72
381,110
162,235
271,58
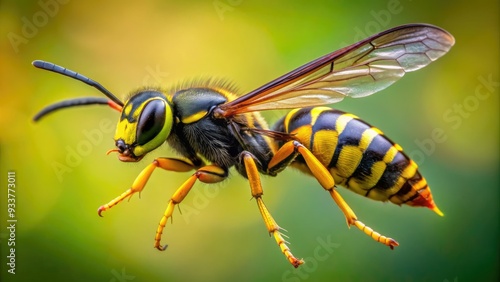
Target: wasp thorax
x,y
145,123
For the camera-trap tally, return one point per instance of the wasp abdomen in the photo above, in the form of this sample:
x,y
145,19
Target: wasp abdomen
x,y
359,156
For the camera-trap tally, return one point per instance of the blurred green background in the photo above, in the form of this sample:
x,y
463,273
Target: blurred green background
x,y
63,174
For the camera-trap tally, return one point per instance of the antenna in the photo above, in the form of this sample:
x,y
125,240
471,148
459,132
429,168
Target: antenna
x,y
64,71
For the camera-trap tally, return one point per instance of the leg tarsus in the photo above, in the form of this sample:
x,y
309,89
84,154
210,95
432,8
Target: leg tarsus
x,y
206,174
353,220
375,235
272,226
275,231
287,153
115,201
143,177
159,231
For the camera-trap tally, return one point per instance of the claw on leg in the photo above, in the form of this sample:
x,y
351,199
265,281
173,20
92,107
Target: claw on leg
x,y
140,181
274,230
137,186
206,174
159,231
115,201
272,226
176,199
290,150
353,220
375,235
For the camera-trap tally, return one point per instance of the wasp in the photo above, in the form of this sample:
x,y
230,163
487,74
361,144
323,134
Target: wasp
x,y
213,129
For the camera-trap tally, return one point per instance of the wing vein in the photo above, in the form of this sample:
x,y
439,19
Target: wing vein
x,y
358,70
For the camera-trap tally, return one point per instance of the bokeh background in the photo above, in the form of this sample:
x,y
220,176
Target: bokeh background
x,y
445,116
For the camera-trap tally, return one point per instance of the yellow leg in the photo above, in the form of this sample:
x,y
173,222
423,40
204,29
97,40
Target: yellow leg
x,y
282,159
326,180
141,180
272,226
206,174
352,220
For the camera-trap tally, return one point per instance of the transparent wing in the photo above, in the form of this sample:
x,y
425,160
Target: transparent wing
x,y
355,71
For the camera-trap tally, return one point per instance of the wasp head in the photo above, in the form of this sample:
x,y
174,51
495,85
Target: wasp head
x,y
145,123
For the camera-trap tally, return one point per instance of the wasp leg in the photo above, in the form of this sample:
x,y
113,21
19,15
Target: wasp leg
x,y
141,180
352,220
273,228
285,156
206,174
287,153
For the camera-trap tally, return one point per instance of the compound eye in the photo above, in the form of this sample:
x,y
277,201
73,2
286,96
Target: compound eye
x,y
151,121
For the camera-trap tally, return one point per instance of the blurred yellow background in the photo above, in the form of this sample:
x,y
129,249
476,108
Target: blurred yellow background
x,y
63,174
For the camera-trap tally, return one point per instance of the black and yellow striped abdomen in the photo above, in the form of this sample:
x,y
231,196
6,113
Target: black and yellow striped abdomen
x,y
358,156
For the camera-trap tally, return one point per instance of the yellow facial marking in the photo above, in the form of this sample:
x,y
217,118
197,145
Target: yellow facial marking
x,y
127,109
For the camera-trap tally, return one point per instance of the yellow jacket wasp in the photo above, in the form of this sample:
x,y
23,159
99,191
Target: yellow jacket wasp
x,y
206,121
